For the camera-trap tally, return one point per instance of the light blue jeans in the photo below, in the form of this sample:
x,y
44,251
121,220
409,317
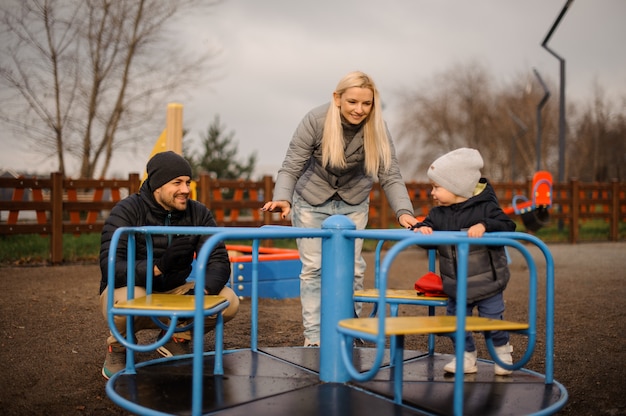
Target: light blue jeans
x,y
304,215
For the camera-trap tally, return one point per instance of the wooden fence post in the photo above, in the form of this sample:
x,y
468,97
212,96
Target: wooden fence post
x,y
268,194
574,210
615,211
384,210
56,234
133,183
203,189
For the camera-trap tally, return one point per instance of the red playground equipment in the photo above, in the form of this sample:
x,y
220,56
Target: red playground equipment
x,y
534,212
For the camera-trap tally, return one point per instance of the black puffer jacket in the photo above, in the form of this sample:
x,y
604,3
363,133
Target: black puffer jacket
x,y
488,272
142,210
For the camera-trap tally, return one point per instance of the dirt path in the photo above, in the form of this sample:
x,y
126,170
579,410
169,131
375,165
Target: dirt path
x,y
52,333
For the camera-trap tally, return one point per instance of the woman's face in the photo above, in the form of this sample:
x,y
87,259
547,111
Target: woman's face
x,y
355,104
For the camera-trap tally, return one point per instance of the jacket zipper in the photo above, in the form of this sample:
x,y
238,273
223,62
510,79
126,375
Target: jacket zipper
x,y
167,223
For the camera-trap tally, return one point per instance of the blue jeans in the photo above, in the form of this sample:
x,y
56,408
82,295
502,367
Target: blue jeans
x,y
304,215
493,308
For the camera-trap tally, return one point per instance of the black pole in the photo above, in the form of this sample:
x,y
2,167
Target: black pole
x,y
518,135
544,44
540,106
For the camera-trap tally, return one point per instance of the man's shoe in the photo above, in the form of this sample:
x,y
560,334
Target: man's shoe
x,y
504,354
114,361
175,346
469,364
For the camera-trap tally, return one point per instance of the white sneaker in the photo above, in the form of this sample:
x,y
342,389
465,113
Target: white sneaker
x,y
469,364
309,343
504,354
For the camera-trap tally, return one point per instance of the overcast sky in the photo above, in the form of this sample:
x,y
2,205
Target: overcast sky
x,y
280,58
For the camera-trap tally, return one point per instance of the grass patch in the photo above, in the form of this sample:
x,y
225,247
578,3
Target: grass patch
x,y
589,231
35,249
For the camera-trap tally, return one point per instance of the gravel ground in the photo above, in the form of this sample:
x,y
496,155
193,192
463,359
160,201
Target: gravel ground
x,y
53,335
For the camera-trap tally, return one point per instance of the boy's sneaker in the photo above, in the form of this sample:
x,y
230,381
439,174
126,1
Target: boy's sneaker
x,y
114,361
469,364
504,354
175,346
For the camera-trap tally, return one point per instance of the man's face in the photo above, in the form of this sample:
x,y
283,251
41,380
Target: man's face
x,y
174,194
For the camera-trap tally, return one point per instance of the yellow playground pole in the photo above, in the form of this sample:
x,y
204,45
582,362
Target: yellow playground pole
x,y
172,138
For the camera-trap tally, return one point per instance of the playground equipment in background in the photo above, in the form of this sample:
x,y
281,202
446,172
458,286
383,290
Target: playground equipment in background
x,y
534,212
277,269
171,138
278,272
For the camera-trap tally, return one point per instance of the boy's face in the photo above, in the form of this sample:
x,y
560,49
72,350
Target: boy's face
x,y
444,197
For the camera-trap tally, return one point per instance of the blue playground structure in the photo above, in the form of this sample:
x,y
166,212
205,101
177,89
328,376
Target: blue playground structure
x,y
278,272
337,378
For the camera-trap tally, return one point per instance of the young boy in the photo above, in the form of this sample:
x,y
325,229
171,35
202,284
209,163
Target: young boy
x,y
468,202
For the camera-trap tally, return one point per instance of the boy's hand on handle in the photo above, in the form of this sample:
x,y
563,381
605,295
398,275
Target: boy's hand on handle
x,y
284,207
426,230
476,230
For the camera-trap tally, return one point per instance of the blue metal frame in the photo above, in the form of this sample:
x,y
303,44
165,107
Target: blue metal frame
x,y
462,243
338,235
394,303
198,314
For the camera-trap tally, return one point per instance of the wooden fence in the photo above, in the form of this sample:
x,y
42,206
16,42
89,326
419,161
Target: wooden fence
x,y
57,205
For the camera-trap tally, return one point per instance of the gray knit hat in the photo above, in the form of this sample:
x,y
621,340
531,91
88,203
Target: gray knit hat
x,y
457,171
165,166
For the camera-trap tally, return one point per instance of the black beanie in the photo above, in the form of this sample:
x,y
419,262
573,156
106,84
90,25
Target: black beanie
x,y
165,166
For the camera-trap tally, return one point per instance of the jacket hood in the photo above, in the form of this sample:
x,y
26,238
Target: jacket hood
x,y
155,208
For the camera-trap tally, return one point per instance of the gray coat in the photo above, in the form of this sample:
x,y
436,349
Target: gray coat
x,y
303,173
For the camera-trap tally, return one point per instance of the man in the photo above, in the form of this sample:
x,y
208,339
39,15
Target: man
x,y
162,200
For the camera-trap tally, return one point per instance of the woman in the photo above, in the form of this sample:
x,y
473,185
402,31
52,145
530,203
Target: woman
x,y
336,153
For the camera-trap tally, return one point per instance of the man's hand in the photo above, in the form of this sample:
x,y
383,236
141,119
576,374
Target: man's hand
x,y
177,257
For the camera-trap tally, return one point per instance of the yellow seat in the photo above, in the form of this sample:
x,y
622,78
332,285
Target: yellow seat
x,y
377,329
172,313
399,294
419,325
167,302
396,297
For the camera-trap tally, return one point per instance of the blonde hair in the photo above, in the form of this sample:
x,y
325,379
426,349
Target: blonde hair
x,y
376,142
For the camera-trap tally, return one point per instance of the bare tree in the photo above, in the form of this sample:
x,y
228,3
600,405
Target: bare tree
x,y
464,107
519,103
598,140
83,78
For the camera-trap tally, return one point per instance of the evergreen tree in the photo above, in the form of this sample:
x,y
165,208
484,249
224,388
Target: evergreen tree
x,y
218,155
